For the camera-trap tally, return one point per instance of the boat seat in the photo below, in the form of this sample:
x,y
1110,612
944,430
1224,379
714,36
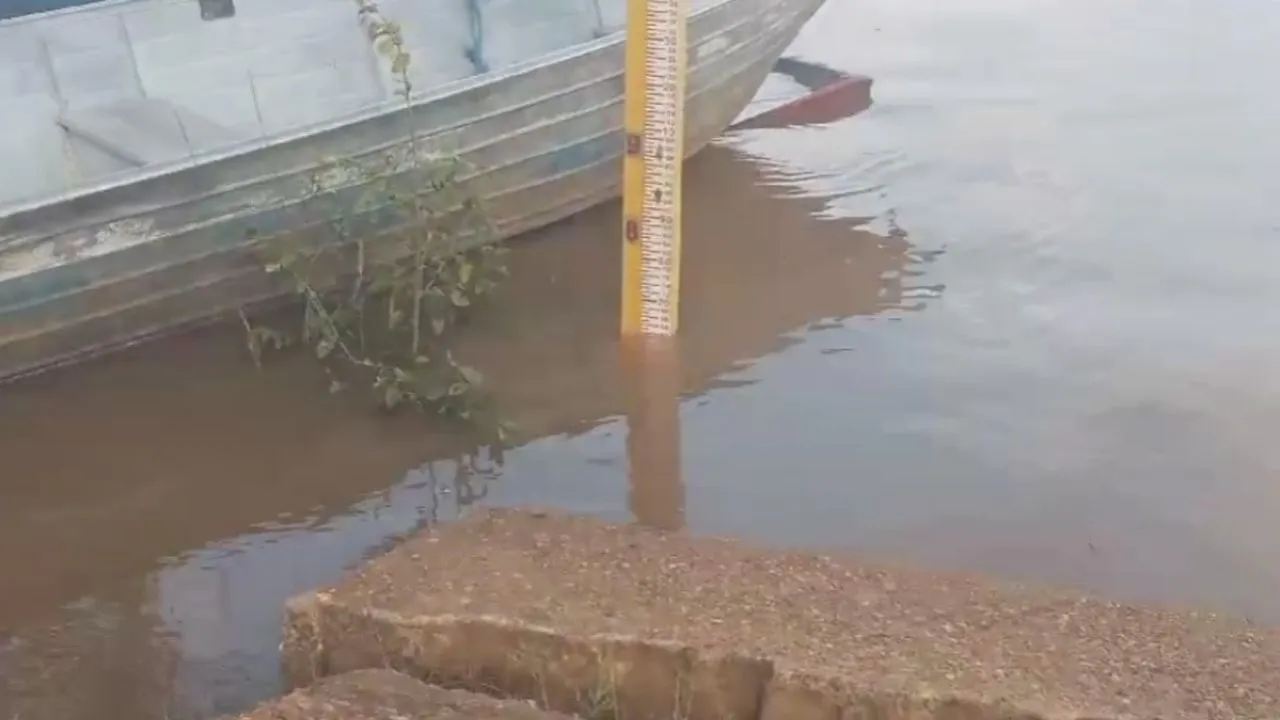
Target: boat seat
x,y
145,131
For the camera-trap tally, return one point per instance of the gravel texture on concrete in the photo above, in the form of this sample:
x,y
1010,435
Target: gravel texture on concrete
x,y
389,695
582,615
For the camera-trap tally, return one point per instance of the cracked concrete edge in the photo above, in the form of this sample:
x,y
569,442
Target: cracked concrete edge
x,y
584,674
389,695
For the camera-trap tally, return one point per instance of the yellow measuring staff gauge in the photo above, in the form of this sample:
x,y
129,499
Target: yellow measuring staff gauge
x,y
654,124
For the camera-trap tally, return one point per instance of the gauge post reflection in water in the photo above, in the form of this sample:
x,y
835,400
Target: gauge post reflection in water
x,y
651,371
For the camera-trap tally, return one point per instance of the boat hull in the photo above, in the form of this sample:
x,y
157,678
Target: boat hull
x,y
111,266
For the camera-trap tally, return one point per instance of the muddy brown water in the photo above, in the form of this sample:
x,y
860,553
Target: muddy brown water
x,y
1019,317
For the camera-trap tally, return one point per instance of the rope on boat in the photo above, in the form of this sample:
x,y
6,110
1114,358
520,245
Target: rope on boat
x,y
476,52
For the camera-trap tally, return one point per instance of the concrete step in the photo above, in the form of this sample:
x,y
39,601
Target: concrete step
x,y
565,609
388,695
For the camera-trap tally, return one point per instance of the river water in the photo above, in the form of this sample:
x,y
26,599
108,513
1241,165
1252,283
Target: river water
x,y
1021,317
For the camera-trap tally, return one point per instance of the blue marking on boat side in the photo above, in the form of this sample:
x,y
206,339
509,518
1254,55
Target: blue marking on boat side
x,y
18,8
580,154
30,289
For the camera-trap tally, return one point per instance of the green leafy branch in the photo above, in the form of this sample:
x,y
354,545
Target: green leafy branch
x,y
405,253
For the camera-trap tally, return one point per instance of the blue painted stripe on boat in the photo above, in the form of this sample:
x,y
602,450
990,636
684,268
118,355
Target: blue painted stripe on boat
x,y
18,8
579,155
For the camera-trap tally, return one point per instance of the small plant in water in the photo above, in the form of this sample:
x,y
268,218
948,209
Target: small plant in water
x,y
403,254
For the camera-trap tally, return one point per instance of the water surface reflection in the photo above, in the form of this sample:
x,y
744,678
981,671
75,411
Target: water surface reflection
x,y
161,505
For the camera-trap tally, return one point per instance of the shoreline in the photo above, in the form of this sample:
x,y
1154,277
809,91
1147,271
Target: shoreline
x,y
551,607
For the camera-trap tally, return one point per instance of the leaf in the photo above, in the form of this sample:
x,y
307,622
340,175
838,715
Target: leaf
x,y
459,298
437,325
336,386
325,346
465,270
471,375
278,339
506,430
392,397
254,343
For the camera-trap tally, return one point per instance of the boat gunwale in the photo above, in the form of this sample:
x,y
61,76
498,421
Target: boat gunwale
x,y
374,111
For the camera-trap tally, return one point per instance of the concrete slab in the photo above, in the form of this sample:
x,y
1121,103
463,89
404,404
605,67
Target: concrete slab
x,y
568,610
388,695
